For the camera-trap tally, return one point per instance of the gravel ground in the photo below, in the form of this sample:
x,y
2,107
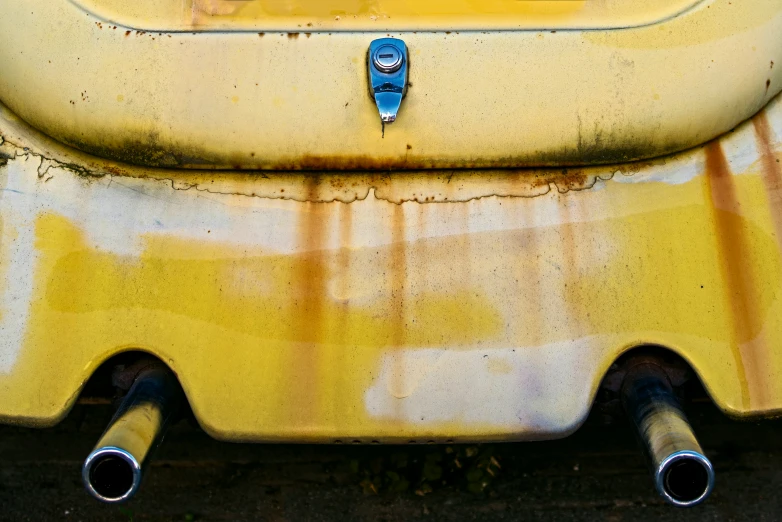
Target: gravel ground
x,y
596,474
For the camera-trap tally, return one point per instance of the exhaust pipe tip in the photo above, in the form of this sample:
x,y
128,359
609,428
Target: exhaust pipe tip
x,y
111,474
682,474
685,478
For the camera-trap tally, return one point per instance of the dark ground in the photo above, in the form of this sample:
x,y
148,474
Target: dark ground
x,y
596,474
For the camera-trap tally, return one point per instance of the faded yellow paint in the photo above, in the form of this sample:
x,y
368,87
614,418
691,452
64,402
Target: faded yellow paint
x,y
297,98
228,320
214,302
284,345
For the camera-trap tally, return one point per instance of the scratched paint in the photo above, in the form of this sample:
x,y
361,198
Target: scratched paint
x,y
415,306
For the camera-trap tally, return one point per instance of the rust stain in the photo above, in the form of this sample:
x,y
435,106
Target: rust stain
x,y
529,277
343,323
293,36
741,288
570,179
464,244
115,170
308,318
398,276
570,261
398,280
345,239
771,171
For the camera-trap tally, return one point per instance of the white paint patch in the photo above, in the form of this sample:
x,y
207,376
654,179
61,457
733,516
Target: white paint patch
x,y
740,148
675,172
18,211
544,389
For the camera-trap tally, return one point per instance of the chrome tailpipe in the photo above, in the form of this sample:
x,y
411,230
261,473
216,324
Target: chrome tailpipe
x,y
112,472
682,473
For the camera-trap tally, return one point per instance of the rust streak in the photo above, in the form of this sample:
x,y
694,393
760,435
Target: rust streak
x,y
343,279
398,281
569,261
463,248
307,323
740,284
345,238
529,277
771,171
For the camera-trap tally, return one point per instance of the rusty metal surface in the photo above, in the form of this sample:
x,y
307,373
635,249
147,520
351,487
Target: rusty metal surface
x,y
462,305
477,99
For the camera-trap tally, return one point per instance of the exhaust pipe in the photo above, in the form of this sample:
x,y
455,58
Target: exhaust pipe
x,y
112,472
682,473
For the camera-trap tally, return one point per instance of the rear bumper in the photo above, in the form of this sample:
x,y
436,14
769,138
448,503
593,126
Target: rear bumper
x,y
483,305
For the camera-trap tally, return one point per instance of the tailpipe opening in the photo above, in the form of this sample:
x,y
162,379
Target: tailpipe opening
x,y
111,474
686,478
683,474
113,471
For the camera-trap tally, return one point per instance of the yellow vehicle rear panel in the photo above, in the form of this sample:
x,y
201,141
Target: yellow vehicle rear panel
x,y
297,98
389,303
411,306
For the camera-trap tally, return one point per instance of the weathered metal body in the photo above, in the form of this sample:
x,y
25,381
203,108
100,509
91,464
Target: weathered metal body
x,y
232,84
483,305
389,303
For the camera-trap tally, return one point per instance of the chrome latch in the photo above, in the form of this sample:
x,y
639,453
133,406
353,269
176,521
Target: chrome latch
x,y
388,69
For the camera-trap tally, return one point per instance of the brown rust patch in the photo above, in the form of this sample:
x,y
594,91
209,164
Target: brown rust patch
x,y
570,179
293,36
115,170
749,346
